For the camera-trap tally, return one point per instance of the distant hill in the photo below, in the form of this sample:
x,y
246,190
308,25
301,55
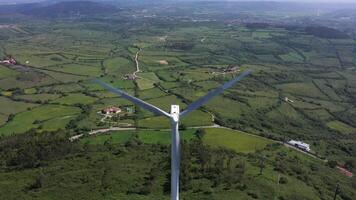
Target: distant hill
x,y
69,8
344,13
326,32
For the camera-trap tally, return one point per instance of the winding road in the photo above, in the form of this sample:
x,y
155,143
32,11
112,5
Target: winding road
x,y
98,131
137,63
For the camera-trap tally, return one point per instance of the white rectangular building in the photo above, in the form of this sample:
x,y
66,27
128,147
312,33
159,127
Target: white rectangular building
x,y
300,145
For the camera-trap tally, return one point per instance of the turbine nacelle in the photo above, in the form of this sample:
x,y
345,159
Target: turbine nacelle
x,y
175,113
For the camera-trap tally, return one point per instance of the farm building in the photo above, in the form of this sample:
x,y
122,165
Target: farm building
x,y
9,61
344,171
111,110
300,145
129,77
231,68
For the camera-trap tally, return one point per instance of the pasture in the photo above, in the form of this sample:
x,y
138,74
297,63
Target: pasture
x,y
7,106
6,72
3,119
235,140
38,116
72,99
43,97
341,127
146,136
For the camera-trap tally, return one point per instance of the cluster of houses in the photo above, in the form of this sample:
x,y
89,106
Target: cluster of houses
x,y
231,69
129,77
9,61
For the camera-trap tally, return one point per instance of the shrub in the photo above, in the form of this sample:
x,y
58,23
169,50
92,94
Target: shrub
x,y
283,180
332,163
252,194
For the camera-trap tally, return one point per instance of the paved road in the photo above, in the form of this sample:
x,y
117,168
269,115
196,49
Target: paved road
x,y
304,152
99,131
105,130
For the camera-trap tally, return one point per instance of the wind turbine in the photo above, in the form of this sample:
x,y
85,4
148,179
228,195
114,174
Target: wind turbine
x,y
175,116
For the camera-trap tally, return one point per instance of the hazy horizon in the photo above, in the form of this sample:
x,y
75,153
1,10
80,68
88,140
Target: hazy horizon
x,y
301,1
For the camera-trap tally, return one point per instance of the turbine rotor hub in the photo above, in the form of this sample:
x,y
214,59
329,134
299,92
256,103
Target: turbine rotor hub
x,y
175,112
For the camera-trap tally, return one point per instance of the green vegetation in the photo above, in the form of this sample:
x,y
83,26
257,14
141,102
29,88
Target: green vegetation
x,y
121,165
12,107
302,87
341,127
146,136
43,97
6,72
147,80
3,119
72,99
37,117
235,140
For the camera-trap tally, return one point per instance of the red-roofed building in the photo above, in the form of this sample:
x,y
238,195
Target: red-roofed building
x,y
345,171
9,61
111,110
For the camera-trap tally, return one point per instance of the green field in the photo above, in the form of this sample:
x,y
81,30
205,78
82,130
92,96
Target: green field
x,y
119,65
149,137
38,97
76,69
303,89
72,99
147,80
41,115
12,107
235,140
194,119
341,127
6,72
3,119
292,57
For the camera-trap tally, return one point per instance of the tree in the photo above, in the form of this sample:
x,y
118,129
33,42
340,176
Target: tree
x,y
200,133
262,164
182,127
332,163
39,181
106,178
283,180
109,144
349,164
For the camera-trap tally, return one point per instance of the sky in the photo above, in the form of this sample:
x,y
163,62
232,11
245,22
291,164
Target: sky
x,y
309,1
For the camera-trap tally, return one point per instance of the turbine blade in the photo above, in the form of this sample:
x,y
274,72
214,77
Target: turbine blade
x,y
134,100
214,93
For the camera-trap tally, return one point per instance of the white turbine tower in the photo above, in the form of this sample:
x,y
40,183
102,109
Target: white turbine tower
x,y
175,116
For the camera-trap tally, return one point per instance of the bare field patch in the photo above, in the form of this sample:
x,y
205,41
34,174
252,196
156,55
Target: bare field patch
x,y
163,62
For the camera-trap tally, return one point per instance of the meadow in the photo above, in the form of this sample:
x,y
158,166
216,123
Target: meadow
x,y
38,118
235,140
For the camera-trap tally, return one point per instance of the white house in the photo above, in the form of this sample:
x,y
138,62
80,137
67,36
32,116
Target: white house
x,y
300,145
